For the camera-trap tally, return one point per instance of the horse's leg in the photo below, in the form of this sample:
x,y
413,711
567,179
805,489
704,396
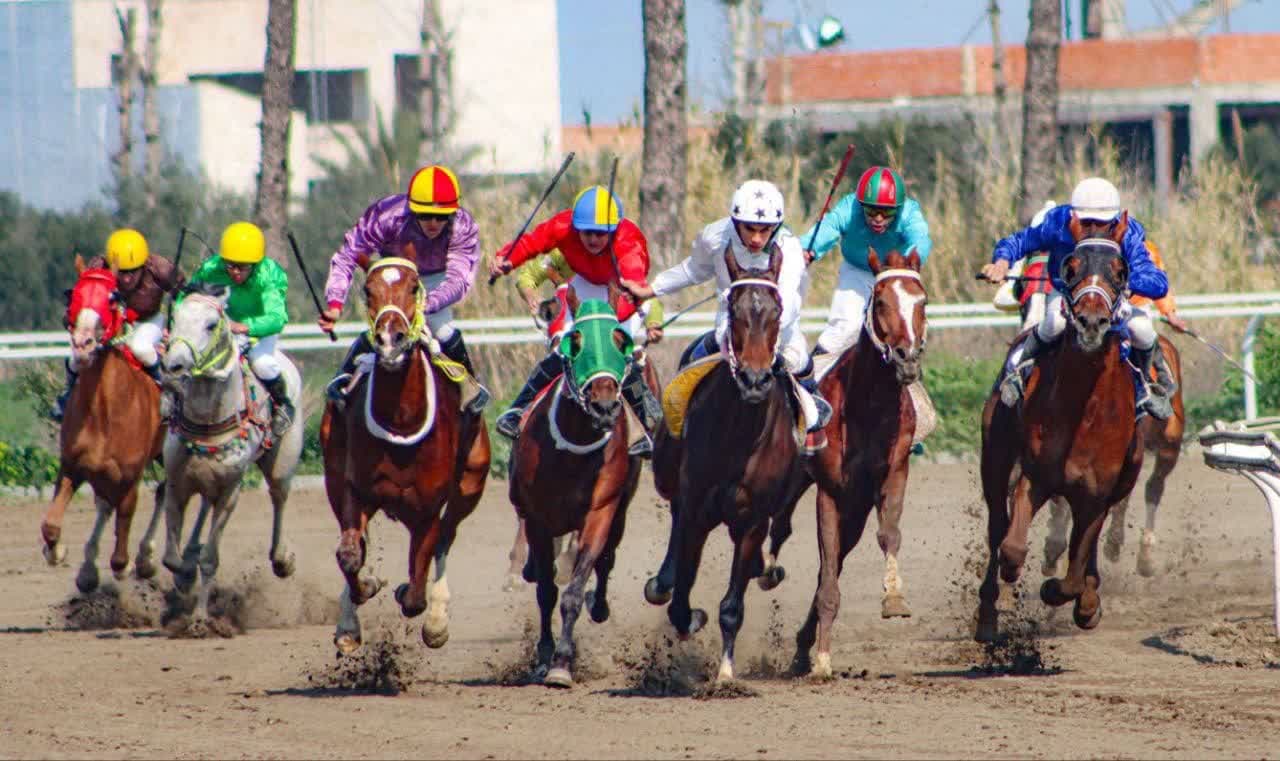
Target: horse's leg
x,y
124,519
412,596
1086,525
1055,541
997,464
357,590
595,535
567,549
1166,459
518,556
779,533
889,515
657,590
838,532
435,630
691,538
87,578
51,527
145,567
542,557
1115,530
210,554
747,565
598,599
282,558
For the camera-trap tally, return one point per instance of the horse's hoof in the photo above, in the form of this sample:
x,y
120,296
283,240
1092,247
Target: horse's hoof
x,y
558,677
283,567
1090,621
54,553
822,668
145,568
435,639
1051,593
654,594
87,579
800,664
119,574
347,643
1111,548
599,608
893,606
697,620
514,583
1006,600
987,631
406,609
772,577
1146,561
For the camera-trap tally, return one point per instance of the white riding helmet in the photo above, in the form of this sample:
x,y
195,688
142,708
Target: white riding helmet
x,y
1096,199
757,202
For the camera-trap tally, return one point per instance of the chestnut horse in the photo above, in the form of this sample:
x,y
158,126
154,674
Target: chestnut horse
x,y
570,472
738,457
867,457
110,431
401,444
1074,435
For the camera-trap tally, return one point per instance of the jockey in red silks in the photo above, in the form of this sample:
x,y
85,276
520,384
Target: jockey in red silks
x,y
583,234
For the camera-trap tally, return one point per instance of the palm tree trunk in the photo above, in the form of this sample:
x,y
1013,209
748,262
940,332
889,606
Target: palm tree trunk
x,y
150,114
126,72
270,208
1040,106
666,129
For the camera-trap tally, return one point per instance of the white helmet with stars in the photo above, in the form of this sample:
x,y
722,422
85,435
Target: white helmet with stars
x,y
757,202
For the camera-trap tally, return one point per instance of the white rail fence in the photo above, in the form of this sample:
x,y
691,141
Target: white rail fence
x,y
520,330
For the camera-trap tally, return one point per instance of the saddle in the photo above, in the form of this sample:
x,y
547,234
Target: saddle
x,y
926,413
678,393
1139,384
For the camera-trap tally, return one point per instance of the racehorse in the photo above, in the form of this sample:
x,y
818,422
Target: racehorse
x,y
221,427
401,444
1074,435
735,460
110,430
570,472
866,460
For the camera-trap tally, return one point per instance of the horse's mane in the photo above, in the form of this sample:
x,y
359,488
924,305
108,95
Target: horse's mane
x,y
212,290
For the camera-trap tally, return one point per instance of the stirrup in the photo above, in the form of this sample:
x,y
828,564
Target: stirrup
x,y
824,413
814,441
1157,403
642,448
282,417
1011,388
508,423
478,402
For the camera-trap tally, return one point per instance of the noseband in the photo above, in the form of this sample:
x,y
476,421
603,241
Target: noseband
x,y
868,318
1094,285
218,353
726,295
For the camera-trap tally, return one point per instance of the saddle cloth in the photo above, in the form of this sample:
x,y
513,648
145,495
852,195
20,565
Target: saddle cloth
x,y
676,396
926,413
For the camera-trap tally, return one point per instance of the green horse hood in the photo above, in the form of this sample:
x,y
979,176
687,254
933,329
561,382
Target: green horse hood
x,y
591,349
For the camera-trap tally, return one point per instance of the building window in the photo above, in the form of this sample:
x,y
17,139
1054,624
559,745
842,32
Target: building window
x,y
326,95
407,87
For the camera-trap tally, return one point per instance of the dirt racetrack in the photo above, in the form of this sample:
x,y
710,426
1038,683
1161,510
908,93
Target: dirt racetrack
x,y
1183,665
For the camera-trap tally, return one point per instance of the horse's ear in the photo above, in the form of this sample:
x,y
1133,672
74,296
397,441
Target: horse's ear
x,y
79,264
572,300
873,260
1122,226
913,259
362,260
731,263
1073,226
775,263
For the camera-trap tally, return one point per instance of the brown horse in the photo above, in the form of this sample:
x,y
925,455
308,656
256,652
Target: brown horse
x,y
735,463
866,460
570,472
1075,435
401,444
110,429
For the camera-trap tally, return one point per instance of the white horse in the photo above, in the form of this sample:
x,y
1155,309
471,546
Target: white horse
x,y
221,424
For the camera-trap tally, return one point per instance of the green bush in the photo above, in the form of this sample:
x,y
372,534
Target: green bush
x,y
27,466
958,387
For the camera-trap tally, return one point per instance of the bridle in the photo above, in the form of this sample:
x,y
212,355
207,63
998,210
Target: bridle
x,y
868,319
726,295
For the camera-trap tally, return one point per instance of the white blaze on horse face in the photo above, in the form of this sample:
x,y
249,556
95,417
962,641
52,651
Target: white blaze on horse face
x,y
390,275
85,335
907,309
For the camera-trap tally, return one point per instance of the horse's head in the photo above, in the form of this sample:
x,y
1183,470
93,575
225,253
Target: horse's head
x,y
396,301
895,320
200,340
93,311
595,353
1095,275
755,311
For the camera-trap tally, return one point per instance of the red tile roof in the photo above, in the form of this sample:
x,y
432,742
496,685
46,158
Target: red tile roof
x,y
1083,65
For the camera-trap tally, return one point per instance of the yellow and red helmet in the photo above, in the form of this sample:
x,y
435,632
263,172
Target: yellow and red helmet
x,y
434,190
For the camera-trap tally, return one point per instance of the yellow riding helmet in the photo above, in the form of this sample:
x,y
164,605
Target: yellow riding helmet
x,y
126,249
243,243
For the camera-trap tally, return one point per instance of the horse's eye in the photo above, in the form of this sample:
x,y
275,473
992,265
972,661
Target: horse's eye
x,y
211,324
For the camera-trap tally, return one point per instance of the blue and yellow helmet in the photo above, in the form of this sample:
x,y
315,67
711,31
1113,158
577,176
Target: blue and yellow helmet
x,y
595,210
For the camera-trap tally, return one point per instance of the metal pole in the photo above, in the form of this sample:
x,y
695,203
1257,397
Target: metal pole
x,y
1246,352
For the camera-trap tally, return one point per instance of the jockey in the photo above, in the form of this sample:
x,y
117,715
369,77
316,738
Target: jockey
x,y
583,234
554,269
878,214
753,230
1095,202
255,308
428,227
142,281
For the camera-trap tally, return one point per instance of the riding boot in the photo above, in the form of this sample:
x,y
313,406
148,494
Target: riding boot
x,y
336,391
508,423
1156,402
475,395
1164,375
1012,385
282,409
60,403
166,399
646,408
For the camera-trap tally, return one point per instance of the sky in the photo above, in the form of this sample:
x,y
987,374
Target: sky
x,y
602,51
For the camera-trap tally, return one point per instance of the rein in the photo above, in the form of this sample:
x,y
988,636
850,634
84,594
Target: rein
x,y
575,395
1094,287
868,318
415,325
218,354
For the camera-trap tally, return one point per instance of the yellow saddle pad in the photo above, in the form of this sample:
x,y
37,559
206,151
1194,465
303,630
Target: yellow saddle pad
x,y
676,396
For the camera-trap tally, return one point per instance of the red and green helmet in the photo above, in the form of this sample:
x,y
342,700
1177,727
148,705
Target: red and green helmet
x,y
881,186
